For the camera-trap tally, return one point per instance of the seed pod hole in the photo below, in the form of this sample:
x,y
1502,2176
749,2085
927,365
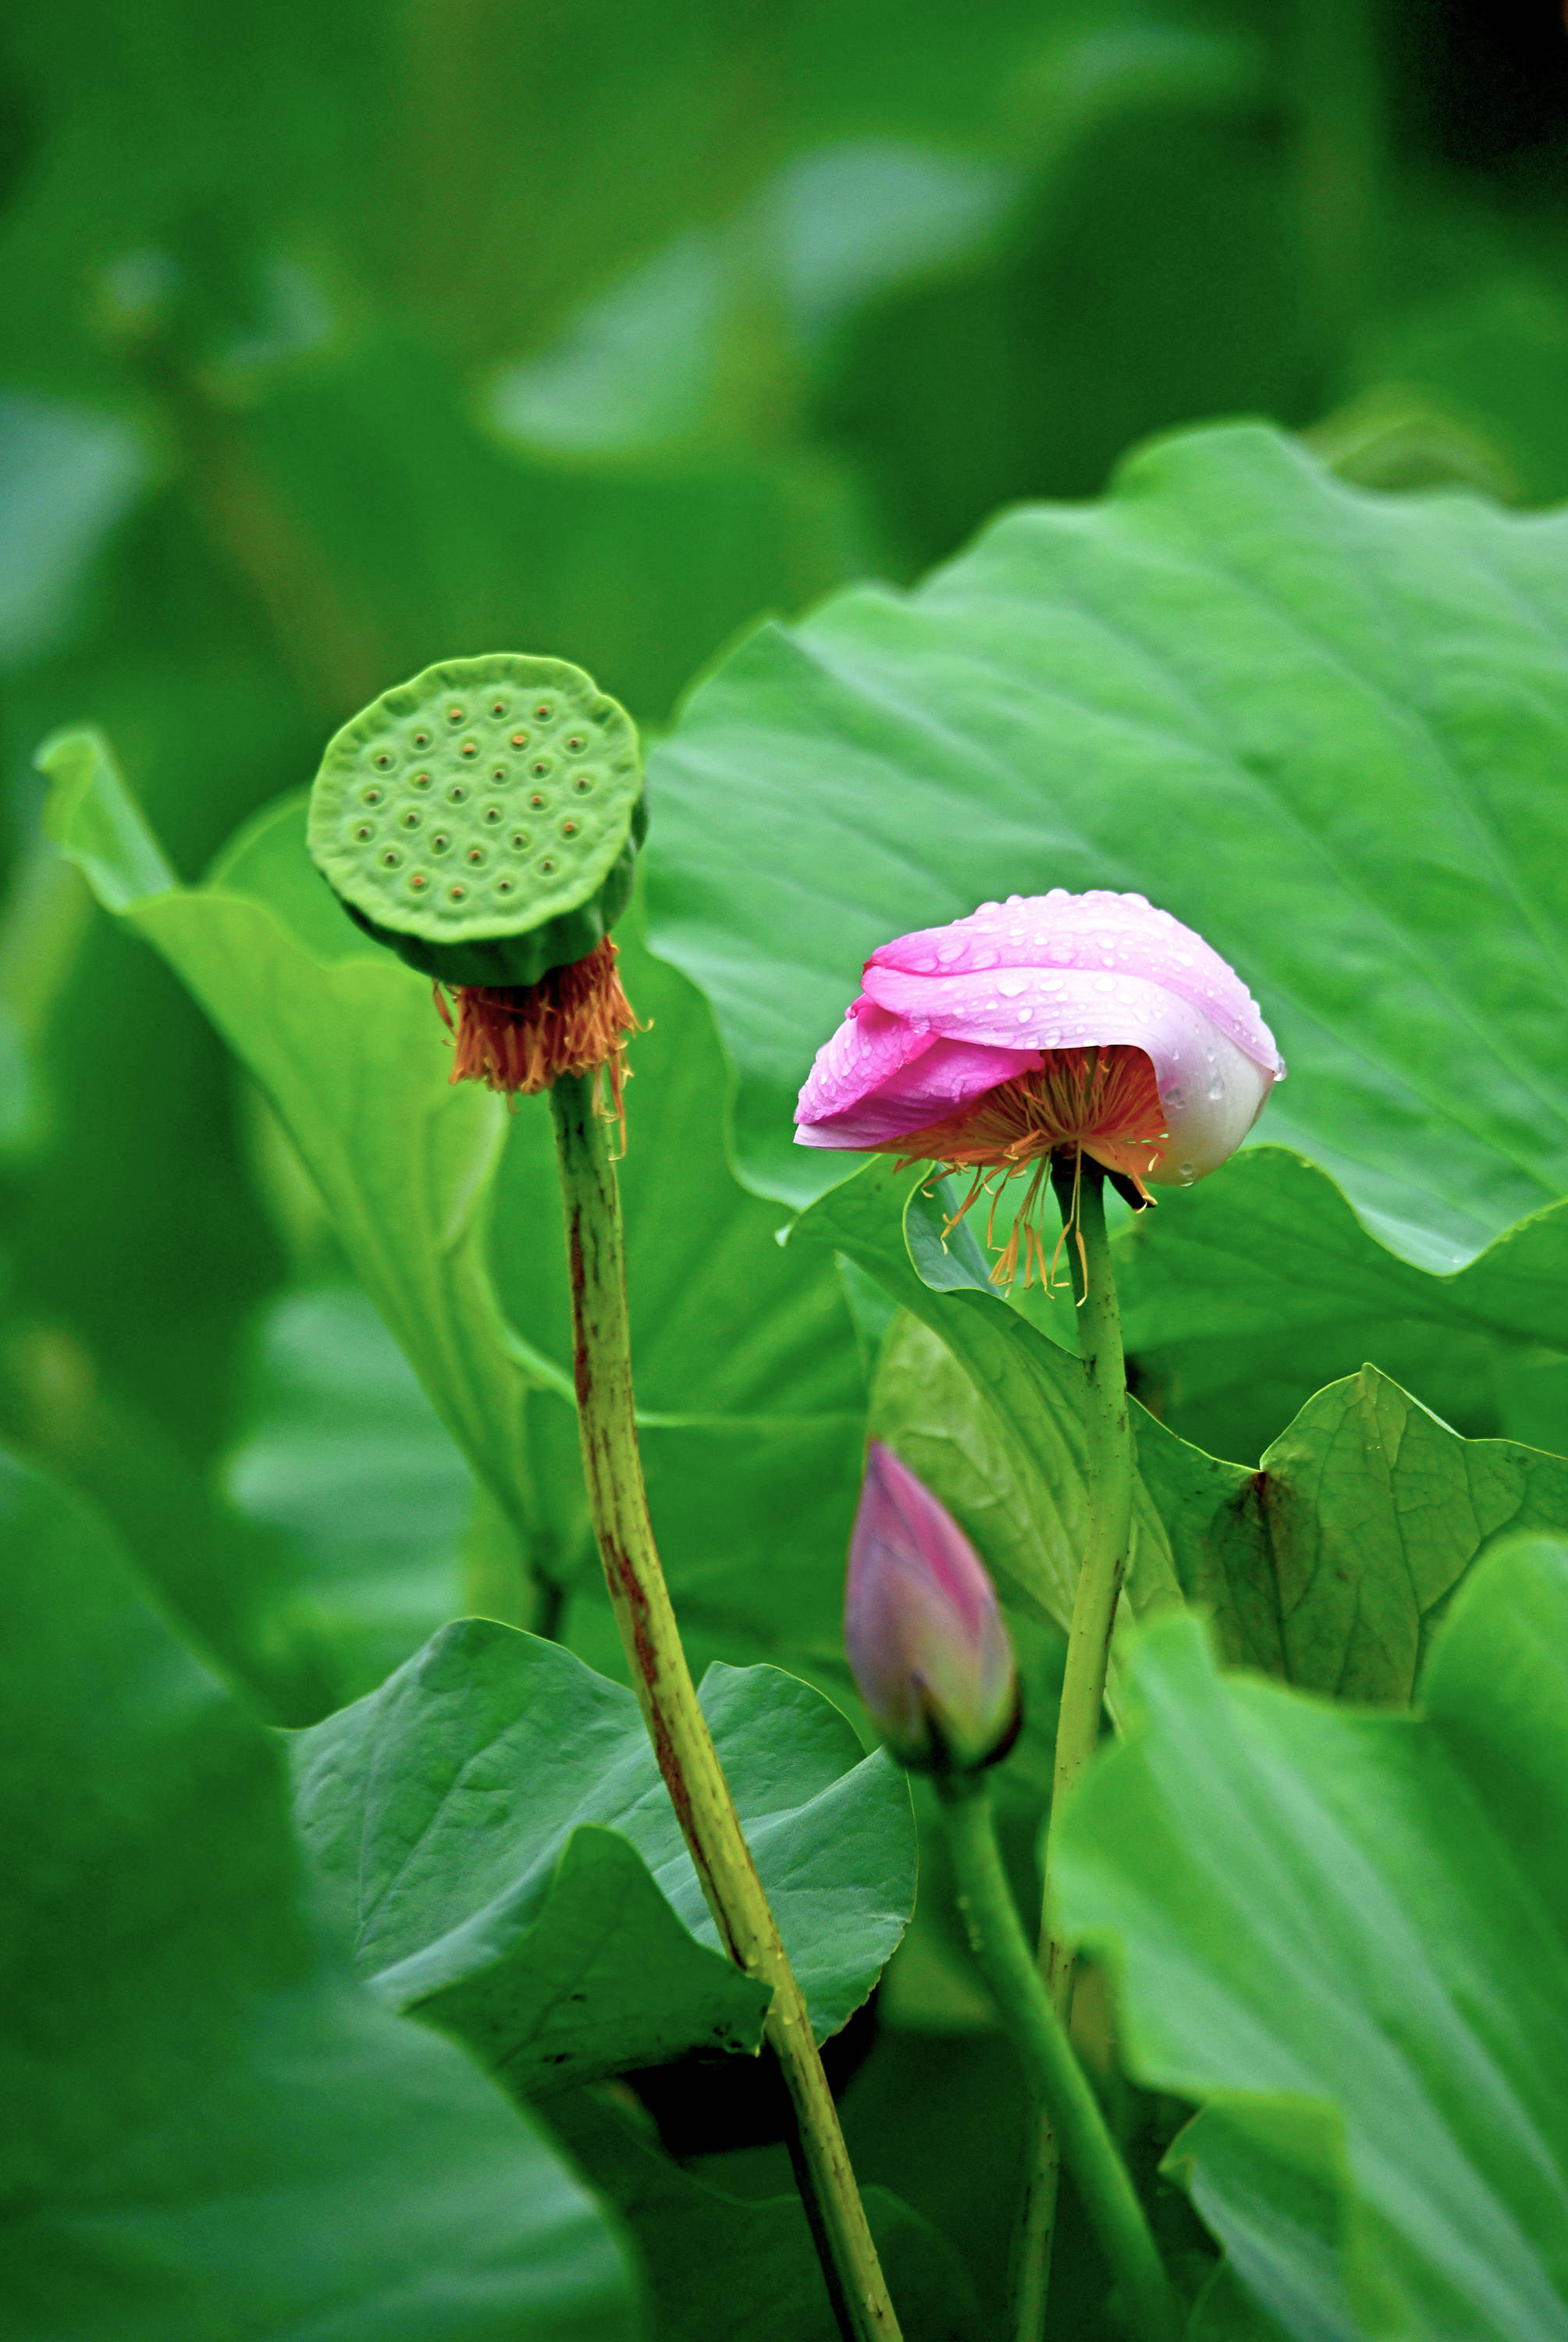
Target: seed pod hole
x,y
420,781
391,859
418,880
455,715
519,739
373,797
543,713
504,886
547,865
539,767
582,783
469,748
383,762
421,739
498,708
457,793
363,831
492,815
440,842
520,839
476,853
411,819
575,743
535,799
499,775
568,829
457,892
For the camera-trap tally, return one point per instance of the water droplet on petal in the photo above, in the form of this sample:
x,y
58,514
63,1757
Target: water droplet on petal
x,y
1025,1014
1010,986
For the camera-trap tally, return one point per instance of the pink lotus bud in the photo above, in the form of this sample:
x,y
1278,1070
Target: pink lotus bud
x,y
926,1640
1051,1025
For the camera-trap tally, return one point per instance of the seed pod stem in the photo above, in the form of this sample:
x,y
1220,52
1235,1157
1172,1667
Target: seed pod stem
x,y
687,1758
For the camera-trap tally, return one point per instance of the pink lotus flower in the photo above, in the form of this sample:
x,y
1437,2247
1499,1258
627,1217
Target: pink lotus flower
x,y
1049,1024
925,1637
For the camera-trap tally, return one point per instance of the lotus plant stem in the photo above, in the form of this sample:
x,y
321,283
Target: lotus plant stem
x,y
1080,1189
687,1758
1031,2018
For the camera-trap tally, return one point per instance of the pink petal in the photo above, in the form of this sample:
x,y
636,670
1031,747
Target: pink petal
x,y
865,1051
1210,1089
945,1077
1095,934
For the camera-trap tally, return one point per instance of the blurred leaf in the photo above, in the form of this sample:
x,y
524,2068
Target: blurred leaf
x,y
349,1056
343,1459
68,476
204,2111
1175,691
1364,1915
1490,351
710,336
718,2265
528,1924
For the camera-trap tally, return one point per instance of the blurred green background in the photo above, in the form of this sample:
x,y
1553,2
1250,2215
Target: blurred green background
x,y
341,340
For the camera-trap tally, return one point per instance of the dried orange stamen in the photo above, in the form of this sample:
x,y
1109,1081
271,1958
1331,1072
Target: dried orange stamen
x,y
1104,1103
523,1037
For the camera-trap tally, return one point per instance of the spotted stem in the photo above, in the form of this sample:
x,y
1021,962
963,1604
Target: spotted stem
x,y
618,1504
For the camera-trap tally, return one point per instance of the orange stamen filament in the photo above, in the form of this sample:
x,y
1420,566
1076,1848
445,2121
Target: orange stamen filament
x,y
522,1037
1105,1103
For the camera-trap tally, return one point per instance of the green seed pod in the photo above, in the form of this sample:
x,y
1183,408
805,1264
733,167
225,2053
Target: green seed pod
x,y
483,821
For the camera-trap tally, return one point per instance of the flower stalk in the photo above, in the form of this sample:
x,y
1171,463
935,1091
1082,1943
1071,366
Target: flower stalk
x,y
686,1755
1081,1192
1034,2022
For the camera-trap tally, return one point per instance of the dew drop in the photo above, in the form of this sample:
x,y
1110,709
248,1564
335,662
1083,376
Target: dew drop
x,y
1010,986
1025,1014
1216,1085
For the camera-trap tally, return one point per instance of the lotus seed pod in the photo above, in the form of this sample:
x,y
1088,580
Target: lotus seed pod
x,y
483,821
